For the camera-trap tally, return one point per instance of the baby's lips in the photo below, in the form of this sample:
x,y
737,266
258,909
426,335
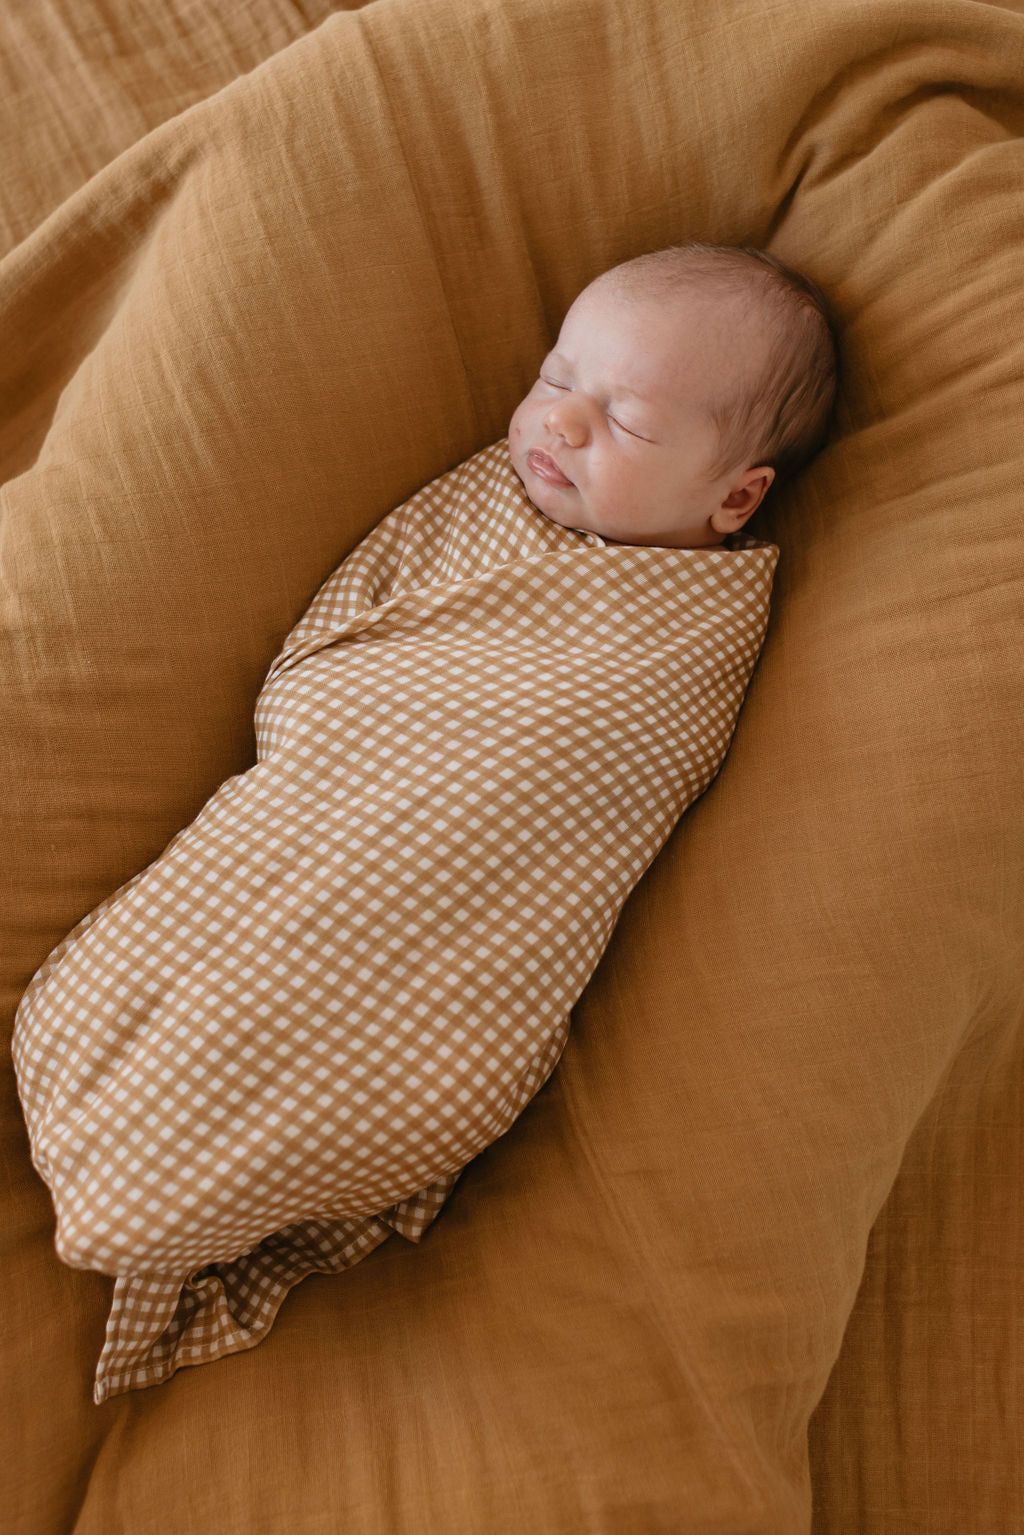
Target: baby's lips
x,y
546,469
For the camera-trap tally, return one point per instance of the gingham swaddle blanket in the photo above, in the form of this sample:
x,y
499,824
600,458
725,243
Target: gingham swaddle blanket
x,y
286,1037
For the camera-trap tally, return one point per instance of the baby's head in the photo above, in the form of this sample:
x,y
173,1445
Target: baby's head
x,y
682,385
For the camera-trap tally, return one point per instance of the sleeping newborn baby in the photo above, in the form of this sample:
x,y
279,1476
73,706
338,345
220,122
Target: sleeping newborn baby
x,y
283,1040
681,384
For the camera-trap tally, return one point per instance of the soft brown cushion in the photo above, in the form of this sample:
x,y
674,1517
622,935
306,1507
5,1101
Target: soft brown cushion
x,y
224,359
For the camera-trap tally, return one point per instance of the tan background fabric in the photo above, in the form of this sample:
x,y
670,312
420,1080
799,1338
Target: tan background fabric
x,y
80,83
225,357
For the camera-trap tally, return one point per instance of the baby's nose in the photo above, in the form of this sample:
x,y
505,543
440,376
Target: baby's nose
x,y
567,418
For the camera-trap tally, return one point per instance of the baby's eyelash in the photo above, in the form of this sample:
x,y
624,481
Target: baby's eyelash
x,y
627,429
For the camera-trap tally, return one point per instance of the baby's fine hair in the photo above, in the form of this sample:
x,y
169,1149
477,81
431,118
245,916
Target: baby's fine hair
x,y
781,418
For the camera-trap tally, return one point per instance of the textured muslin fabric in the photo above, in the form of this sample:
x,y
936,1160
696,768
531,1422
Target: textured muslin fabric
x,y
288,1035
766,1275
81,83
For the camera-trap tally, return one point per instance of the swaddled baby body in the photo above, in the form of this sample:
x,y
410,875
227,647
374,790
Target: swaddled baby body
x,y
286,1037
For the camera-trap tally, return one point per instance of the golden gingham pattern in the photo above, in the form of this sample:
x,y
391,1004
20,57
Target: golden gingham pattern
x,y
285,1038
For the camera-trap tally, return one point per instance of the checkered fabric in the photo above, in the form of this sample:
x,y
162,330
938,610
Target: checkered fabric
x,y
285,1038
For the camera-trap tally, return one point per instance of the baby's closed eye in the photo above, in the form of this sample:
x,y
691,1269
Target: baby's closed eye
x,y
555,383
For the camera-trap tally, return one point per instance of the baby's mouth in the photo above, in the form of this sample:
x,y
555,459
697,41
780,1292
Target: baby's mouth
x,y
546,469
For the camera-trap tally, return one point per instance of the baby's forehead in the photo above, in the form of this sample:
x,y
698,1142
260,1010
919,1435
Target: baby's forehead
x,y
682,365
712,327
651,316
696,297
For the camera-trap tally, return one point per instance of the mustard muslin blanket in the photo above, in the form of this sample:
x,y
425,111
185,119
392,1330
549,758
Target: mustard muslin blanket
x,y
285,1038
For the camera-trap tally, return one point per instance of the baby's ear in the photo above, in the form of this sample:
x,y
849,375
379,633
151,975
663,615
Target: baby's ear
x,y
745,496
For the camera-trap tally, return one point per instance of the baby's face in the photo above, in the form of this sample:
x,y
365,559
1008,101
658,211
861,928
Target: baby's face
x,y
614,437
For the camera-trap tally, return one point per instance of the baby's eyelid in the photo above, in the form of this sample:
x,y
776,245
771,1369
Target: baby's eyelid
x,y
553,384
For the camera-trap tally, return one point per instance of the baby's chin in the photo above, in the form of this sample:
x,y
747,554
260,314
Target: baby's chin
x,y
548,506
558,503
